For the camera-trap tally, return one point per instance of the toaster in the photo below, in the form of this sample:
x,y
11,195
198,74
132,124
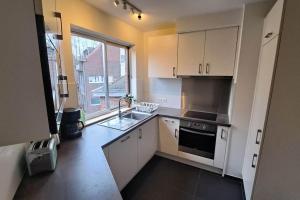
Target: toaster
x,y
41,156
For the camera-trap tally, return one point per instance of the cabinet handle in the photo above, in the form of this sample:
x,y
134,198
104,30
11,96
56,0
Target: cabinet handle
x,y
207,68
268,35
59,36
174,71
222,136
176,133
124,140
259,131
200,69
253,158
140,134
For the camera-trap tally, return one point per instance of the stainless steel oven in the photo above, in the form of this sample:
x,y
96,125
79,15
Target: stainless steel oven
x,y
197,138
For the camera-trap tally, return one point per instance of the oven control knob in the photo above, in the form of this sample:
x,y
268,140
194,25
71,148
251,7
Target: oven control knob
x,y
204,126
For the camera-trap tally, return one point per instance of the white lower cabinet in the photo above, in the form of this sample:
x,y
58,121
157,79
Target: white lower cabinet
x,y
123,158
168,135
129,154
220,149
147,142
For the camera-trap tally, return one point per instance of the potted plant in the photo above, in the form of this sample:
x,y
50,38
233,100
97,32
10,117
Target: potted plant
x,y
128,99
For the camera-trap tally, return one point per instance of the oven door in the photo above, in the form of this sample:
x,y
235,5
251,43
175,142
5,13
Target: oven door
x,y
201,143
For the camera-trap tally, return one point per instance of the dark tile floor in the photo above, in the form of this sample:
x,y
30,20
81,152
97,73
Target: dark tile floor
x,y
164,179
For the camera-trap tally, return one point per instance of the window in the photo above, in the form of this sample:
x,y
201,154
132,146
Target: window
x,y
101,72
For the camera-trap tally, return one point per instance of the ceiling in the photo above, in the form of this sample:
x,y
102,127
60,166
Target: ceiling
x,y
163,13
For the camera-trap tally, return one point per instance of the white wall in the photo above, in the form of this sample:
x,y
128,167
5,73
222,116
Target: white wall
x,y
244,84
12,167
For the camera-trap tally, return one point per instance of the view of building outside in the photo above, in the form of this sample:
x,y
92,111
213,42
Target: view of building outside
x,y
98,93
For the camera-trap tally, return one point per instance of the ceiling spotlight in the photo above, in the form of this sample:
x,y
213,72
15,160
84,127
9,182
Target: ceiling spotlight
x,y
116,2
140,16
132,10
124,5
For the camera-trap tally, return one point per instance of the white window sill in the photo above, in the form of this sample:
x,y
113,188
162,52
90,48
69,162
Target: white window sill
x,y
104,117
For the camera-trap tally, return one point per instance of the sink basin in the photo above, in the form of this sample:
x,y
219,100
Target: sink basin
x,y
125,122
136,115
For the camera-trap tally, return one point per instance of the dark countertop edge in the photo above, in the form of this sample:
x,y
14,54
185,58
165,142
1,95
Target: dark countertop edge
x,y
153,115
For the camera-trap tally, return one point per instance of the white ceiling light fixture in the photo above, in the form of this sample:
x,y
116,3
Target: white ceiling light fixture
x,y
133,8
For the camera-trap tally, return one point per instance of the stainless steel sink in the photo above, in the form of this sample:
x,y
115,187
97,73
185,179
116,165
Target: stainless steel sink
x,y
125,122
137,115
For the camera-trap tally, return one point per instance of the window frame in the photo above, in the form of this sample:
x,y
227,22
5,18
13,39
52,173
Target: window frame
x,y
105,78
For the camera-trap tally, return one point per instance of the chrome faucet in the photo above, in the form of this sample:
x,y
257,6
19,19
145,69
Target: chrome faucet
x,y
120,113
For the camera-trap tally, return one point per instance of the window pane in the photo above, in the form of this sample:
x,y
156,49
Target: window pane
x,y
117,61
88,59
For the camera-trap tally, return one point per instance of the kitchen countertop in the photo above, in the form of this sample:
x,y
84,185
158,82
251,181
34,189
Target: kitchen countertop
x,y
82,171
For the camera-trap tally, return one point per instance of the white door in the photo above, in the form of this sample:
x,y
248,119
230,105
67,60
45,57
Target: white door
x,y
168,135
123,159
272,22
258,115
162,56
220,149
220,52
147,142
191,53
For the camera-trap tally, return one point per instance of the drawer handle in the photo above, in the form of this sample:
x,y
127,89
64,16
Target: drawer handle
x,y
253,159
140,134
257,141
176,133
222,134
207,68
124,140
174,71
200,69
269,35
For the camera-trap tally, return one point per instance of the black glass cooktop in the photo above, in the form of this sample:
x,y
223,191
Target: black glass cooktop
x,y
201,115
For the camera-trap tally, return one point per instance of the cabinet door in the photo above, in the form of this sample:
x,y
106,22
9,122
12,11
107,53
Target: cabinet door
x,y
220,52
272,22
220,149
162,56
123,159
259,111
191,53
147,142
168,135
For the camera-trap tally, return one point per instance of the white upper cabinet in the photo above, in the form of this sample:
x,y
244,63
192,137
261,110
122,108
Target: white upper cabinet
x,y
162,56
220,52
207,53
191,53
272,22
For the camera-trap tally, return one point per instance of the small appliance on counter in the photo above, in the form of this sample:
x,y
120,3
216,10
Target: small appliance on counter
x,y
71,126
41,156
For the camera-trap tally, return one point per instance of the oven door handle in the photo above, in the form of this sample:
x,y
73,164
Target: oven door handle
x,y
199,133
